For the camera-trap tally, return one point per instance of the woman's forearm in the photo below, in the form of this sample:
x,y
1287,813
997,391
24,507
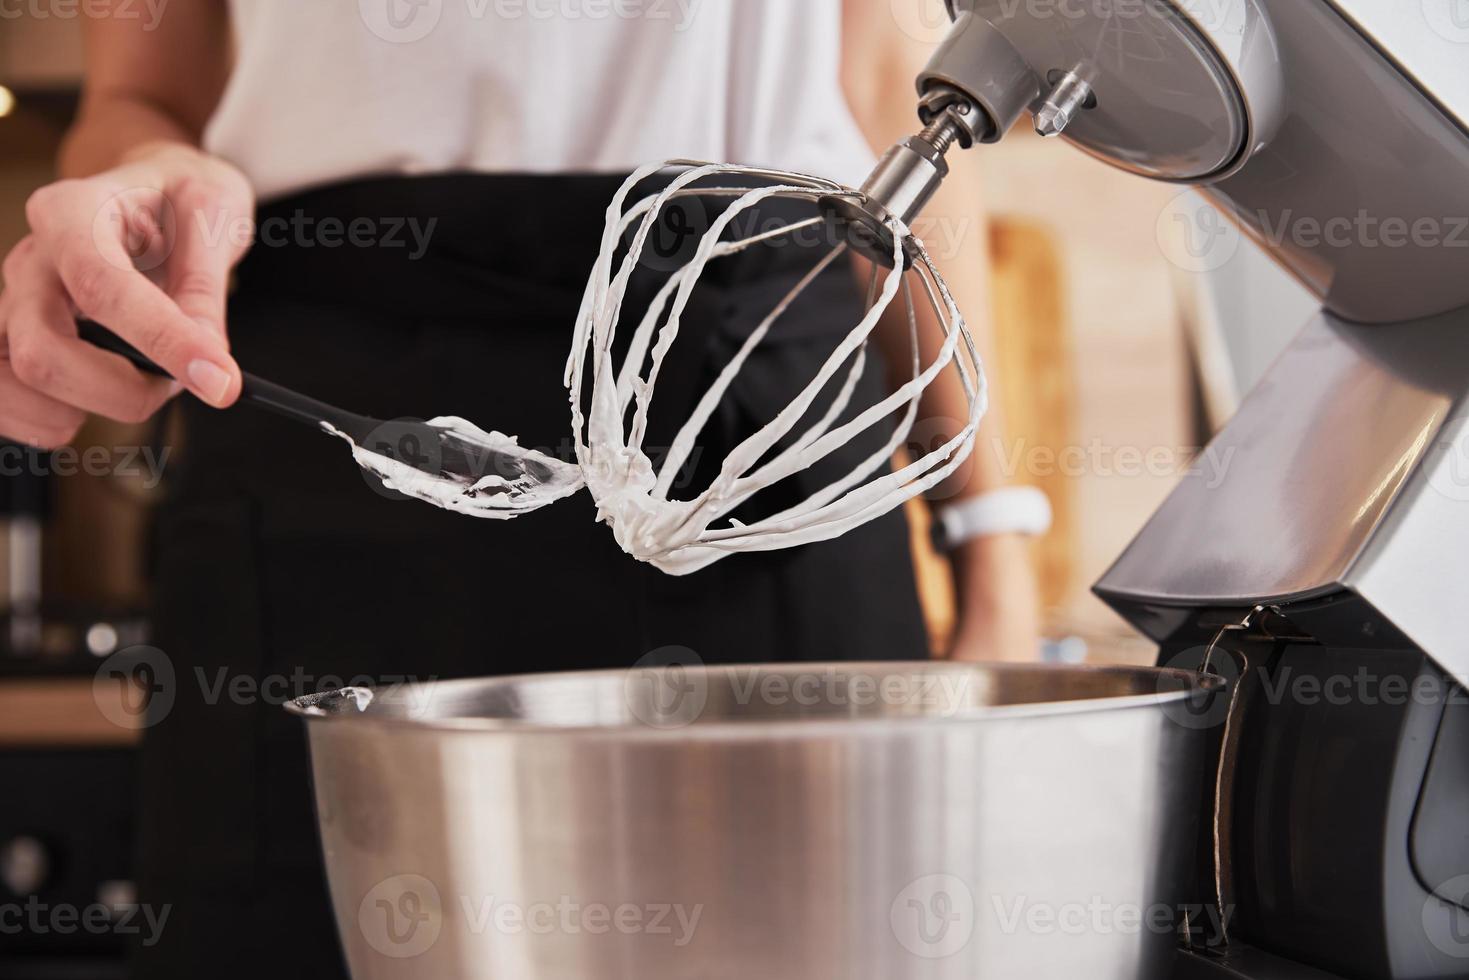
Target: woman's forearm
x,y
878,61
148,84
994,586
114,129
943,411
998,616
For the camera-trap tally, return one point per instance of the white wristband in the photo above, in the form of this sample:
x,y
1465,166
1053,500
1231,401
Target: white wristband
x,y
1014,510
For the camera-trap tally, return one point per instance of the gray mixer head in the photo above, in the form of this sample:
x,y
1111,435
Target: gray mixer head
x,y
1188,95
1318,127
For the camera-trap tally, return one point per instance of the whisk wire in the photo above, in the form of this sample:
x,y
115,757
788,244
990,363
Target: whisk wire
x,y
680,536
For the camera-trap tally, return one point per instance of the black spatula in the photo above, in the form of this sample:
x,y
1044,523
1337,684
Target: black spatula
x,y
430,449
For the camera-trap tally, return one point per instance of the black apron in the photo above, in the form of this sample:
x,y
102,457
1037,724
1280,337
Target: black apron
x,y
280,571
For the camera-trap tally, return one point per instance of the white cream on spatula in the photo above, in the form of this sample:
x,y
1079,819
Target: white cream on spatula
x,y
504,480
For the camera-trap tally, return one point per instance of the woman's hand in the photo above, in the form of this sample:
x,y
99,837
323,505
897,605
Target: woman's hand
x,y
146,250
999,605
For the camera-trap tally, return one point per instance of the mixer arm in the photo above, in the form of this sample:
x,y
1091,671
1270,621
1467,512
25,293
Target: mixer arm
x,y
1179,90
973,90
1294,116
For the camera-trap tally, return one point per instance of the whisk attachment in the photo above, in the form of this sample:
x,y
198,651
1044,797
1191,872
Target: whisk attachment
x,y
611,397
906,178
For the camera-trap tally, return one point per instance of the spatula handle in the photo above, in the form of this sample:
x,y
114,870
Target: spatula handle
x,y
257,391
99,336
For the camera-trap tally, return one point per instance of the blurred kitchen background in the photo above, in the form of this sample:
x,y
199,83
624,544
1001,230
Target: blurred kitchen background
x,y
1109,364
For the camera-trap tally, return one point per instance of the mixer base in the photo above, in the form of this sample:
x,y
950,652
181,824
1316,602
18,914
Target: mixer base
x,y
1243,963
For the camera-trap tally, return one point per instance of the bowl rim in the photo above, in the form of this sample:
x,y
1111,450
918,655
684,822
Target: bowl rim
x,y
1191,684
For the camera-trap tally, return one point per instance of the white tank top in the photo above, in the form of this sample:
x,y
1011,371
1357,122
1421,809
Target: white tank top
x,y
325,90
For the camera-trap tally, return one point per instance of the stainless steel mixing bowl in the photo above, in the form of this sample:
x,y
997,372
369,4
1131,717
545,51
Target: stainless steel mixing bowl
x,y
804,822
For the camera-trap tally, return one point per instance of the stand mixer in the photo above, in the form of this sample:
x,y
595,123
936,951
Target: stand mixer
x,y
1304,821
1332,556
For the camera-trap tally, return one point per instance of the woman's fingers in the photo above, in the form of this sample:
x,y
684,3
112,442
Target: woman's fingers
x,y
85,233
146,251
47,356
212,230
29,417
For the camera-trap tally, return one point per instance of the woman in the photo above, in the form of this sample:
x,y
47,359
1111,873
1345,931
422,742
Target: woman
x,y
428,181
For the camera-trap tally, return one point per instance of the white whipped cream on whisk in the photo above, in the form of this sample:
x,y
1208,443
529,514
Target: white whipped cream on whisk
x,y
631,493
632,496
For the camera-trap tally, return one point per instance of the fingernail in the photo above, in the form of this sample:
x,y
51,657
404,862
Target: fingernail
x,y
209,381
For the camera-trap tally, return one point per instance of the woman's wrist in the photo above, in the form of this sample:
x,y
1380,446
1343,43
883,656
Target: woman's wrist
x,y
164,147
998,606
979,562
176,158
113,131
